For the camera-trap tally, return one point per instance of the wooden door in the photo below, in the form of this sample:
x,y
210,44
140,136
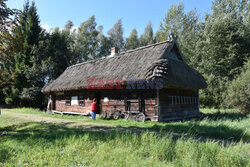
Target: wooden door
x,y
98,101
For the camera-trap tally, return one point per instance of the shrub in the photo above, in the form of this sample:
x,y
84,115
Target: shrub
x,y
238,93
32,97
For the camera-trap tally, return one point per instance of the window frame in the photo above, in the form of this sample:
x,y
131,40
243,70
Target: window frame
x,y
68,100
81,100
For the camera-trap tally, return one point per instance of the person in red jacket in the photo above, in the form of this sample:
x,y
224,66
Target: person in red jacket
x,y
94,108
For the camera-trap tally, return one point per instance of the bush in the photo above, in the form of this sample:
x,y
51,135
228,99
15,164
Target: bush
x,y
32,97
238,93
11,96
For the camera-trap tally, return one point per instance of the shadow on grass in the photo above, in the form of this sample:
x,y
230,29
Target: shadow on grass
x,y
52,132
223,116
5,154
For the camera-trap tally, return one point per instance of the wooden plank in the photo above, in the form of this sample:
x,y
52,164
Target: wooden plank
x,y
71,113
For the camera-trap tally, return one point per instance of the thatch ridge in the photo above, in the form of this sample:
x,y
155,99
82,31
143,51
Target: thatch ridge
x,y
147,46
146,62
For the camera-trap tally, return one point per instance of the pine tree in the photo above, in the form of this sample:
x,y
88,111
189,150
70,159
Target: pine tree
x,y
28,32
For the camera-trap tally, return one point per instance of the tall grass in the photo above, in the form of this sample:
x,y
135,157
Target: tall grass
x,y
40,144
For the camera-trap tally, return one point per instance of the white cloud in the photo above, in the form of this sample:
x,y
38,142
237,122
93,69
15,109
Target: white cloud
x,y
46,27
50,29
74,28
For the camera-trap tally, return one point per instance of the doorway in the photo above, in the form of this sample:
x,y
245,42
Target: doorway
x,y
98,101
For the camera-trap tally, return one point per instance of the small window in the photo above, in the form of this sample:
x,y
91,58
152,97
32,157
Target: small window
x,y
68,101
74,100
106,99
81,101
169,100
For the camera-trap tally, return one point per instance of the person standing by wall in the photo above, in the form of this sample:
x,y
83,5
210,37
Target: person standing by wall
x,y
94,108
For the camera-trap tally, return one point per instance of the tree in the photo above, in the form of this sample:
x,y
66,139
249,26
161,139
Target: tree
x,y
70,36
104,44
132,41
173,21
86,41
238,93
69,25
159,37
27,31
115,35
57,51
6,16
147,37
9,44
223,47
184,26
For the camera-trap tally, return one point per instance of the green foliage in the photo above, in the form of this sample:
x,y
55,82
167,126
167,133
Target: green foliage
x,y
8,43
147,37
223,48
32,96
132,41
69,25
115,35
104,44
173,21
238,94
186,27
58,53
216,45
11,96
86,42
5,17
29,32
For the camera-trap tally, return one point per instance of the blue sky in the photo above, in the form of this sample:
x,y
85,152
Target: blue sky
x,y
134,13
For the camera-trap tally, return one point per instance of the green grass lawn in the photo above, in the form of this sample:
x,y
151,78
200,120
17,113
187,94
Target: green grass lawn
x,y
129,143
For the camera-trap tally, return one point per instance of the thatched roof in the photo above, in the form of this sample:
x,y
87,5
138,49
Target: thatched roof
x,y
142,63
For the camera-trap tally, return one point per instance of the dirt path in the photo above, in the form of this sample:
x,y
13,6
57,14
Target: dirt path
x,y
74,123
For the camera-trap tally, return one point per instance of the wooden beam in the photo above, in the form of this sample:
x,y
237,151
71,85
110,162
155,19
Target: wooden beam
x,y
71,113
158,105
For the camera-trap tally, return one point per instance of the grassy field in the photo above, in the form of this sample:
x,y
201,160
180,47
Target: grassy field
x,y
29,137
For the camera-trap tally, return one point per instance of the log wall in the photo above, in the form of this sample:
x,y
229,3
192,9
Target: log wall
x,y
177,104
174,104
117,100
60,104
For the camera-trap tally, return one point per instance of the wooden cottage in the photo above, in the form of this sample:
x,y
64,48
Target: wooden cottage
x,y
153,80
